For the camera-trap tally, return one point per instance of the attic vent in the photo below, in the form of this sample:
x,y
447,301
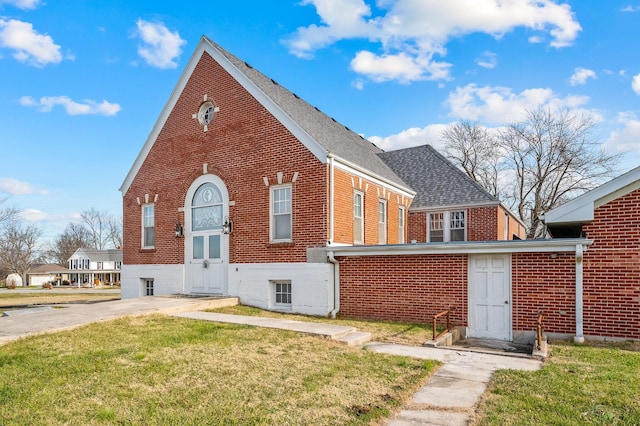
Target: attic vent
x,y
347,128
296,96
334,120
317,109
274,82
248,66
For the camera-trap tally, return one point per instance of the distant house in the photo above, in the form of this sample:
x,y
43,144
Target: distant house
x,y
89,267
242,187
39,275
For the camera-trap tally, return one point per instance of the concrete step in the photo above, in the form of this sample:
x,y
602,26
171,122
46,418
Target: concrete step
x,y
355,338
447,339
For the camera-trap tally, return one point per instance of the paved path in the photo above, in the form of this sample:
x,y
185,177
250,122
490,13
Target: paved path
x,y
448,398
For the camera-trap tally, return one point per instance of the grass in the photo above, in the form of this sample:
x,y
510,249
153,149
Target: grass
x,y
579,385
166,370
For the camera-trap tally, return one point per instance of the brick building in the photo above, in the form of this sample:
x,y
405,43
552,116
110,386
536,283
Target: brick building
x,y
242,187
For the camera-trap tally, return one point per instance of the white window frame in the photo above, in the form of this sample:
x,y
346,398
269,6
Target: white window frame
x,y
147,286
272,214
447,227
144,223
282,293
358,221
401,213
382,221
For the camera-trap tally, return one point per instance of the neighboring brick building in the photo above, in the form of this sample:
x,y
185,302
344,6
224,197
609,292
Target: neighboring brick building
x,y
585,280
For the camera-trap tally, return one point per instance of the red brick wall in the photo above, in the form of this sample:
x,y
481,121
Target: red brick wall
x,y
543,282
482,224
612,269
345,185
403,288
417,227
243,144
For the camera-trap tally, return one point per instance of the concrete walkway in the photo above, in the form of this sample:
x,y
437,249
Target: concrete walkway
x,y
449,397
451,394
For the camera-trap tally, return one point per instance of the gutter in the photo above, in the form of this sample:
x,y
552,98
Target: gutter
x,y
579,337
336,284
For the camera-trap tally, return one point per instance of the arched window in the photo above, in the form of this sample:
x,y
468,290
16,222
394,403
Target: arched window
x,y
206,208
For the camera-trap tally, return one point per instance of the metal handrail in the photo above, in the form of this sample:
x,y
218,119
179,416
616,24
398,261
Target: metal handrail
x,y
435,323
540,315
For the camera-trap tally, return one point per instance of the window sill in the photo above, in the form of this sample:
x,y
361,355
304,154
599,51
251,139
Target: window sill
x,y
147,250
277,244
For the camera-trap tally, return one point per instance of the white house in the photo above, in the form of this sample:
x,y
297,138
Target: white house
x,y
89,267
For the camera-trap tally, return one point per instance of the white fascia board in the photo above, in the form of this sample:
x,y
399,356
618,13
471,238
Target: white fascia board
x,y
469,247
205,46
580,209
356,170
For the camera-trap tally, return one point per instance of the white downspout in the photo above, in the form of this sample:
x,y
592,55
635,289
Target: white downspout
x,y
579,338
331,198
336,284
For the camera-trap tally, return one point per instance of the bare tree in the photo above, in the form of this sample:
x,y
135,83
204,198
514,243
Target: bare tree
x,y
62,248
7,214
538,163
105,231
474,149
18,247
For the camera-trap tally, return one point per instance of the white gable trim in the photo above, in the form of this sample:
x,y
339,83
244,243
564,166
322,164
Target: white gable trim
x,y
354,169
205,45
581,209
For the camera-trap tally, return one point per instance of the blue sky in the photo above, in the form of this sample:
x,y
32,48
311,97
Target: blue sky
x,y
83,82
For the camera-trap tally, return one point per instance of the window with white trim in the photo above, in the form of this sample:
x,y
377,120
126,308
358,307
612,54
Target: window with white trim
x,y
282,292
281,217
148,226
382,221
147,286
358,217
446,226
401,211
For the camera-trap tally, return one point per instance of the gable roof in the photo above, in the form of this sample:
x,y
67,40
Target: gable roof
x,y
321,134
47,268
113,255
438,183
581,209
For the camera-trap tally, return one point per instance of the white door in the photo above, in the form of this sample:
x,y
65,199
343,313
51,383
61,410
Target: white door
x,y
490,296
206,247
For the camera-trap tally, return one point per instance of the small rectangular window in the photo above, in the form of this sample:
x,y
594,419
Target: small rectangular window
x,y
100,266
382,222
148,286
358,218
400,224
457,226
283,292
148,226
281,221
436,227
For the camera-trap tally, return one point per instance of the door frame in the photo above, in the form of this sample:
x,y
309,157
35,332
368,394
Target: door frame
x,y
224,238
471,326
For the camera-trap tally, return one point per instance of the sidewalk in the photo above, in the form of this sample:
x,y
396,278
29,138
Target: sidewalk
x,y
449,397
451,394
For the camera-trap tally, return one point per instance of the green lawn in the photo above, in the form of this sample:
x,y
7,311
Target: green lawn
x,y
166,370
579,385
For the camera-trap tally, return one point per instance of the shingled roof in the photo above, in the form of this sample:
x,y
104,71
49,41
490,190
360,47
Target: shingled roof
x,y
436,180
335,138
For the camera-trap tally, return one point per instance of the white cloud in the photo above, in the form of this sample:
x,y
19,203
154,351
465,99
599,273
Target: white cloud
x,y
160,47
17,187
431,134
635,84
630,8
581,75
487,60
411,32
22,4
627,136
30,47
494,104
88,107
33,215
